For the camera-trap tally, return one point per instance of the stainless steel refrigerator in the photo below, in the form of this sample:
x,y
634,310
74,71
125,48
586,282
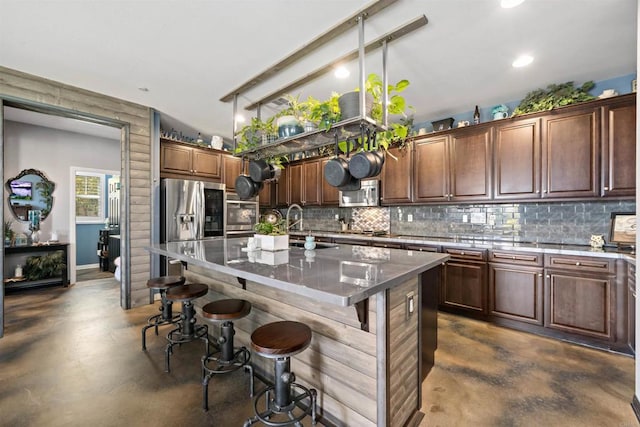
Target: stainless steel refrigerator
x,y
190,210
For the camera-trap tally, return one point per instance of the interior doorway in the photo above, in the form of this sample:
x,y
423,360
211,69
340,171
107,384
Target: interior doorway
x,y
75,126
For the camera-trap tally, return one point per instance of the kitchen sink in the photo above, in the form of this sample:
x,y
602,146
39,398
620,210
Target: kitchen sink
x,y
319,245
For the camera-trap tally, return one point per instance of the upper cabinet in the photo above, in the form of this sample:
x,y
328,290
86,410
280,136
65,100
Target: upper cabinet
x,y
304,183
395,179
232,168
181,159
516,160
619,148
570,154
453,167
329,194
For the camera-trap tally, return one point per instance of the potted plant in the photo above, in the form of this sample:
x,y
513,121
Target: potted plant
x,y
271,234
289,121
554,96
255,133
325,113
8,233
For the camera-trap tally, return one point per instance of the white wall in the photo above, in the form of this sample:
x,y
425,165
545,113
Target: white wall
x,y
54,152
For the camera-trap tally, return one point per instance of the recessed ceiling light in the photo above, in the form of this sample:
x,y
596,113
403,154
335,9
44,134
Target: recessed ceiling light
x,y
143,89
507,4
522,61
341,73
239,118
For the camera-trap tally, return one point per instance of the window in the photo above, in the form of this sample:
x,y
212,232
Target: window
x,y
90,197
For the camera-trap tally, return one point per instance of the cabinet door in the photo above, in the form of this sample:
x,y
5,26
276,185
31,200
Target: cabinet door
x,y
232,169
311,183
329,194
396,177
264,197
517,160
463,286
206,163
470,162
570,147
578,304
282,188
295,184
175,159
515,292
619,149
431,171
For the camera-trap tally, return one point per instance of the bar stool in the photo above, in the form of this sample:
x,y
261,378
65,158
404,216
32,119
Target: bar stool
x,y
227,359
280,341
166,316
187,329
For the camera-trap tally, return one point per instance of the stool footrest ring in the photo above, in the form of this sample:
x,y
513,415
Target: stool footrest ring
x,y
273,409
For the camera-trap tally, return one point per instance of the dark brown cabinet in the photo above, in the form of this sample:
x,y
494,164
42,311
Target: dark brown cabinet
x,y
516,167
304,183
619,148
470,155
454,167
570,154
580,295
431,172
464,281
180,159
516,284
265,195
329,194
232,168
282,188
396,177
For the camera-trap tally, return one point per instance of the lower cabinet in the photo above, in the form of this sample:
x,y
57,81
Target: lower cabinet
x,y
580,295
464,280
516,284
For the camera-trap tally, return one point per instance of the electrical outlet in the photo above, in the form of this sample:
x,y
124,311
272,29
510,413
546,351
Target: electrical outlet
x,y
492,219
410,218
465,218
410,304
337,217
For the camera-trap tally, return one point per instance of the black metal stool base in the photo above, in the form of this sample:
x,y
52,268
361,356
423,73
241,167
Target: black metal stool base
x,y
154,322
272,408
240,359
177,336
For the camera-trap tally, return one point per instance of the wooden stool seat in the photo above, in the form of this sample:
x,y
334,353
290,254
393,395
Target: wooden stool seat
x,y
187,292
165,282
226,309
281,339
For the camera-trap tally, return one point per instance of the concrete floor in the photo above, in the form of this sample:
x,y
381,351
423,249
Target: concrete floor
x,y
72,357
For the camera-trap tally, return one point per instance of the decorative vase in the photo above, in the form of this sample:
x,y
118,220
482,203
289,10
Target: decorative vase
x,y
288,126
350,105
310,243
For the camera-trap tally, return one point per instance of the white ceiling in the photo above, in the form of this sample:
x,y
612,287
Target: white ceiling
x,y
190,54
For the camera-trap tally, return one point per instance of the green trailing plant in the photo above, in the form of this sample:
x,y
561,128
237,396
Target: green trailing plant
x,y
554,96
8,232
252,135
44,266
278,228
324,113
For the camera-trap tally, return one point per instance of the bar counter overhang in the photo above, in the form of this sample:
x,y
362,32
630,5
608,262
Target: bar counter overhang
x,y
362,304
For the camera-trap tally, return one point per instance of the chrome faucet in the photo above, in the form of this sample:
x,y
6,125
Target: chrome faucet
x,y
299,222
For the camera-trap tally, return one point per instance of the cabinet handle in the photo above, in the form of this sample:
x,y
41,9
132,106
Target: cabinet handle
x,y
537,191
539,274
461,253
548,277
544,191
606,188
578,263
513,257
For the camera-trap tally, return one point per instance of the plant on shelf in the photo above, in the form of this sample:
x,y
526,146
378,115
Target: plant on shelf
x,y
8,233
255,133
324,113
556,95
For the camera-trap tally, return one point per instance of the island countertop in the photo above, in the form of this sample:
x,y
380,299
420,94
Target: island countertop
x,y
338,274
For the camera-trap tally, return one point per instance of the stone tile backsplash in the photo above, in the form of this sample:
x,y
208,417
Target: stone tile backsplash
x,y
549,222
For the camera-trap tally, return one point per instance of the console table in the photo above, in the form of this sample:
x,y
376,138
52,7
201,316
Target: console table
x,y
14,255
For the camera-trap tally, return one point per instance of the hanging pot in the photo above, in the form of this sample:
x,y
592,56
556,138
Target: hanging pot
x,y
259,170
380,156
336,172
352,185
364,164
247,188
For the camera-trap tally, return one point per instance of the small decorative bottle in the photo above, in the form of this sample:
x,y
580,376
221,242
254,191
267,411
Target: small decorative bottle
x,y
18,272
476,116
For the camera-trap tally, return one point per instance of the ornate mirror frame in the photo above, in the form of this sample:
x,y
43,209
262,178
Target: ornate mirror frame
x,y
45,188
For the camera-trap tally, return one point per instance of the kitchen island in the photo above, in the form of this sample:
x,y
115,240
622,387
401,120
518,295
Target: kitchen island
x,y
362,304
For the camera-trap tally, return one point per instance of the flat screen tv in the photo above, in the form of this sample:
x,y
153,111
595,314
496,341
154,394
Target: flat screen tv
x,y
21,190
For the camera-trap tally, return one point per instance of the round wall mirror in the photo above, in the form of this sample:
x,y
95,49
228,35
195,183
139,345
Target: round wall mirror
x,y
30,191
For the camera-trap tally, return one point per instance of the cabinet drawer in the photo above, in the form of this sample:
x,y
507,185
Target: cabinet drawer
x,y
582,264
466,254
520,258
390,245
421,248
